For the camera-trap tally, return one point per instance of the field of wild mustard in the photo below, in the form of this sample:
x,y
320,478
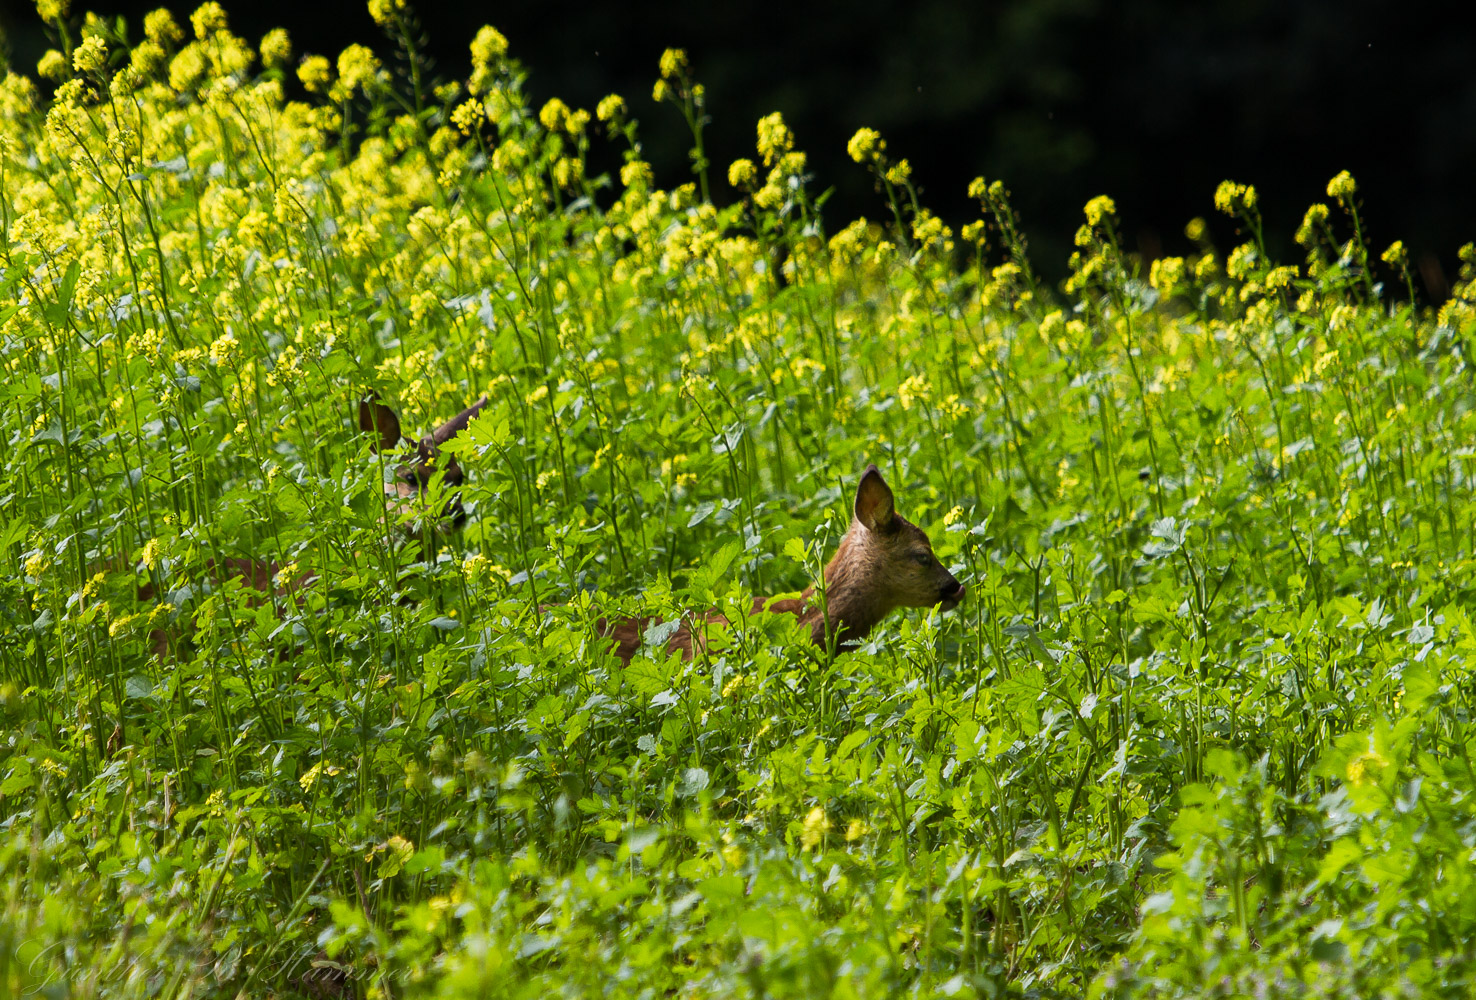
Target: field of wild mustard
x,y
1202,726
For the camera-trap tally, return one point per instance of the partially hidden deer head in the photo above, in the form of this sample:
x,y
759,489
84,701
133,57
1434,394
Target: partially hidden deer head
x,y
423,457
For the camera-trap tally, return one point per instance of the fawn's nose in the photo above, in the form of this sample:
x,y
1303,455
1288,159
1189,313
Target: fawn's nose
x,y
953,591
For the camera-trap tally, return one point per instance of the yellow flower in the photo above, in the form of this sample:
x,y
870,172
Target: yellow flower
x,y
1231,197
1281,277
286,370
489,46
160,27
790,164
383,11
912,389
553,115
673,61
815,827
150,555
286,573
636,174
1196,229
1242,261
741,173
978,189
122,625
90,56
771,195
1166,273
1314,217
316,73
224,349
52,11
1052,326
1342,187
1098,209
856,829
474,566
568,171
36,563
208,18
357,67
488,50
899,172
1395,256
468,116
611,107
52,66
953,516
929,231
774,137
866,145
276,48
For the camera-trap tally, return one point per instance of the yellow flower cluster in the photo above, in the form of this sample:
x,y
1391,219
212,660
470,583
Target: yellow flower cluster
x,y
208,20
741,173
358,68
1232,198
488,49
1342,187
385,12
774,138
611,108
161,28
1315,216
316,74
866,145
91,56
673,63
276,49
469,116
1166,274
1100,209
913,389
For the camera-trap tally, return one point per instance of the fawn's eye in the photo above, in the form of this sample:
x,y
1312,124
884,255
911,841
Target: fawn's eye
x,y
922,558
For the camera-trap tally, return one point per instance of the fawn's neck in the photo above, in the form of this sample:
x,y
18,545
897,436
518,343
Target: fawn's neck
x,y
853,602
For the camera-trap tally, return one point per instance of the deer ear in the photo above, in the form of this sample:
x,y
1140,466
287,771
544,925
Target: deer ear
x,y
376,418
874,502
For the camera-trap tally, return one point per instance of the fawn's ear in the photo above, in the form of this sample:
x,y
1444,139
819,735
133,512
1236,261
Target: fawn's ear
x,y
378,419
874,503
458,423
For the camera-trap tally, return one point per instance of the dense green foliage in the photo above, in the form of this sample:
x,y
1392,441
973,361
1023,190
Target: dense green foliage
x,y
1201,728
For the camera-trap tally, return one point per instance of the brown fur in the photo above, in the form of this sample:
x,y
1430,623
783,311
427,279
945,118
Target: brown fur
x,y
884,562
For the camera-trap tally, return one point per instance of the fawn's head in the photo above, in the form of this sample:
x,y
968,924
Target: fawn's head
x,y
423,456
888,559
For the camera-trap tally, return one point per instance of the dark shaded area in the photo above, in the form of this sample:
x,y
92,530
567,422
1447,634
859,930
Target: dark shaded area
x,y
1149,101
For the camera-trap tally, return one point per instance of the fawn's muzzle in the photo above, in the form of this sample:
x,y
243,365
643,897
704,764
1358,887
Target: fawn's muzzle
x,y
952,593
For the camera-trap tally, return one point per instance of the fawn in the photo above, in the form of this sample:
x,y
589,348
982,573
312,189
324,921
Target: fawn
x,y
884,562
411,476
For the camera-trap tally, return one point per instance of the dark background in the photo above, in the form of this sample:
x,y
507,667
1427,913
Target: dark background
x,y
1151,102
